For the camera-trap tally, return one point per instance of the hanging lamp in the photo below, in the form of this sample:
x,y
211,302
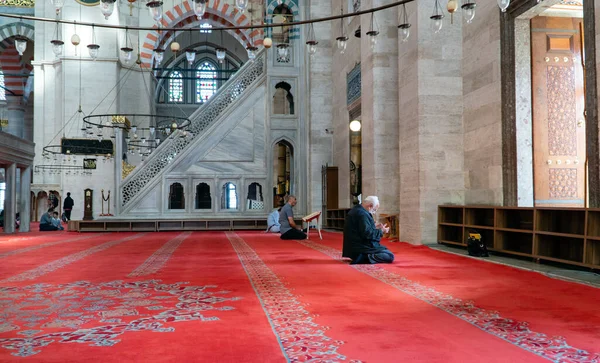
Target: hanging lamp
x,y
373,31
311,42
503,5
58,5
57,44
107,7
468,7
190,54
199,7
20,40
405,26
342,40
126,51
156,10
159,55
220,50
436,18
241,4
93,48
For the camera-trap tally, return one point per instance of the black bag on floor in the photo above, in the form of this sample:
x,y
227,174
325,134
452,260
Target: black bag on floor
x,y
476,246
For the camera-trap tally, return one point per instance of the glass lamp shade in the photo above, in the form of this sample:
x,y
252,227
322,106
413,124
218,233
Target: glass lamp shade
x,y
241,4
152,130
21,44
174,125
251,52
373,37
126,52
342,42
159,54
283,50
156,10
404,31
107,7
468,11
93,50
199,7
312,47
190,55
221,54
75,40
175,47
58,4
267,42
57,47
157,141
503,4
436,23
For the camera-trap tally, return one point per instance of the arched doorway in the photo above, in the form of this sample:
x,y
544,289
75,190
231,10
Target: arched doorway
x,y
283,159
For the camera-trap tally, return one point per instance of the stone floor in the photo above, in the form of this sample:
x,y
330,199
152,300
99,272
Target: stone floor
x,y
580,275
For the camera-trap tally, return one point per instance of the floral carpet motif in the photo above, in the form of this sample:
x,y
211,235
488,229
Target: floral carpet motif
x,y
34,316
155,262
518,333
301,338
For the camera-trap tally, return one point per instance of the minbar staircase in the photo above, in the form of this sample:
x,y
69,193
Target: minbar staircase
x,y
139,182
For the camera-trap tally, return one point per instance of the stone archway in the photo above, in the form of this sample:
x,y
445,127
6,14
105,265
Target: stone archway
x,y
219,13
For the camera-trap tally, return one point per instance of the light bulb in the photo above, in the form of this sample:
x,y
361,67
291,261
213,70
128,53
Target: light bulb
x,y
355,125
503,4
267,42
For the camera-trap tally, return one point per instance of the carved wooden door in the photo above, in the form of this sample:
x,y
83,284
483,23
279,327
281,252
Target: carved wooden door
x,y
558,112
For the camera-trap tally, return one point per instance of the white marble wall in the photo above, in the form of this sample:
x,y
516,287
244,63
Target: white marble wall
x,y
482,107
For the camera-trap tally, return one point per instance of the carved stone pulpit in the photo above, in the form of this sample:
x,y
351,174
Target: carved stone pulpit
x,y
88,208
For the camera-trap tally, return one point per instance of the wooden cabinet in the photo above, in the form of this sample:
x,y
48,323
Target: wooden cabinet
x,y
569,236
335,218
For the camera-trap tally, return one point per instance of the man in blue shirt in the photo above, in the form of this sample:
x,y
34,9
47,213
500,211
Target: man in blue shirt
x,y
46,221
289,229
273,221
362,235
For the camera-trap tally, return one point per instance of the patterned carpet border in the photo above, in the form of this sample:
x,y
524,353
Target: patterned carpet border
x,y
37,247
518,333
302,340
60,263
160,257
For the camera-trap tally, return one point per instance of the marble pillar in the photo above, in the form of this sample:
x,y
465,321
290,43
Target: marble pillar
x,y
25,202
15,113
379,113
10,201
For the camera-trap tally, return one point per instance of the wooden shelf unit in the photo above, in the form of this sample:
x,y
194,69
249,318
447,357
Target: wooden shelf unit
x,y
335,218
565,235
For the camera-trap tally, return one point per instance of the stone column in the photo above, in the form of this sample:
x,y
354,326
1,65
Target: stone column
x,y
25,209
118,157
379,100
10,201
15,113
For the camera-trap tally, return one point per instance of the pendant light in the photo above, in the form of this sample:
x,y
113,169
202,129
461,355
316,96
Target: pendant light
x,y
373,32
57,44
107,7
342,40
126,51
241,4
251,49
159,55
93,48
405,26
20,41
199,7
156,10
190,54
58,5
436,18
468,8
221,51
283,49
312,42
503,4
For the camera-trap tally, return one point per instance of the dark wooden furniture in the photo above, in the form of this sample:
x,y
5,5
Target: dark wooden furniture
x,y
335,218
567,235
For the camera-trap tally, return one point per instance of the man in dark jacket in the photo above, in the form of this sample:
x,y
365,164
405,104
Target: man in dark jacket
x,y
68,206
362,235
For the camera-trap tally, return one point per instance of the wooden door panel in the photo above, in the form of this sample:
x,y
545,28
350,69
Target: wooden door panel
x,y
558,107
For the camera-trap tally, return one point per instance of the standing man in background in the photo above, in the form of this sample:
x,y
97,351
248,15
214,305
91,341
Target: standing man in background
x,y
68,207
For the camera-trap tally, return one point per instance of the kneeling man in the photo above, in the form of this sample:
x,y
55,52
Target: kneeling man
x,y
362,235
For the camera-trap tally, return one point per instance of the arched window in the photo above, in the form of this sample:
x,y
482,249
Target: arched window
x,y
255,197
206,82
283,100
203,198
176,87
283,163
282,15
2,85
176,196
229,198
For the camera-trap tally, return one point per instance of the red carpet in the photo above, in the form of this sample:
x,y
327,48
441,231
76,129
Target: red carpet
x,y
250,297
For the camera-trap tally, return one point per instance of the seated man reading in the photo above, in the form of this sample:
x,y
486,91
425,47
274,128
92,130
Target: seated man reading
x,y
362,235
289,229
46,223
273,225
